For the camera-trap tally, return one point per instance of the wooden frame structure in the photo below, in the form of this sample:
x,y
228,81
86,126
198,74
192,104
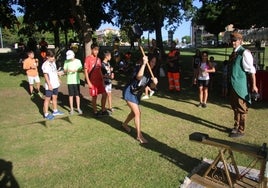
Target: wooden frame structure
x,y
223,171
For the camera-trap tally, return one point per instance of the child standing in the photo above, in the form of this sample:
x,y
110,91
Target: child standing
x,y
30,64
71,67
108,75
212,74
52,83
94,78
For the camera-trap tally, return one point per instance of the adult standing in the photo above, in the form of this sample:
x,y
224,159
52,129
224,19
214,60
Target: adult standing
x,y
132,94
94,78
203,79
173,68
242,74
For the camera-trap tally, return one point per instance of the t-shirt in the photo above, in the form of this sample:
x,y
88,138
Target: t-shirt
x,y
50,68
173,61
106,71
28,65
73,64
95,76
203,75
196,62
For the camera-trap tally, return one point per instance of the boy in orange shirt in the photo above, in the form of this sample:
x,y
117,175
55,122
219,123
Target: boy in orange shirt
x,y
30,64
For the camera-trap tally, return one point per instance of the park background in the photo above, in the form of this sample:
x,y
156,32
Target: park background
x,y
81,151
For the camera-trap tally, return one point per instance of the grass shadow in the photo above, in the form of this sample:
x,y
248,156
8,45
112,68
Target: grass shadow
x,y
188,117
174,156
7,179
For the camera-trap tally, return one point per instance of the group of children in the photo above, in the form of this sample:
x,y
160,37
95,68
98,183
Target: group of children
x,y
96,73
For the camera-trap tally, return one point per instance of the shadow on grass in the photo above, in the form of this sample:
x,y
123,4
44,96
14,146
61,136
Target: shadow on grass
x,y
188,117
62,117
183,161
7,179
37,100
63,102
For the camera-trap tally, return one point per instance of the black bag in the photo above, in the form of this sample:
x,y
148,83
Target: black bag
x,y
138,86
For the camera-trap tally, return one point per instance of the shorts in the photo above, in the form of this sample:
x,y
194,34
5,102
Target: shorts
x,y
128,96
33,79
108,88
49,93
203,83
74,89
96,90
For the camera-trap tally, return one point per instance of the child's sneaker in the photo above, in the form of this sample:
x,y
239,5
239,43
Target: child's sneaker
x,y
111,110
49,117
71,112
145,97
105,113
151,93
80,111
57,113
40,94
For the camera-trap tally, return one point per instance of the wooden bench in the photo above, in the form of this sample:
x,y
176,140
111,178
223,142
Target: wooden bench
x,y
224,172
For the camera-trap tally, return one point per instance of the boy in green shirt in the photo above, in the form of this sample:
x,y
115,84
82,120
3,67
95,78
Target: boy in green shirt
x,y
71,67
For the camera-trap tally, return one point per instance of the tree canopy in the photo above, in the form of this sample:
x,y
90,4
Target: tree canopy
x,y
7,14
152,15
85,16
215,15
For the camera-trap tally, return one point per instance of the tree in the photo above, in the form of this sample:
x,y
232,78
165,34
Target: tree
x,y
246,13
84,16
211,16
215,15
7,14
187,39
151,15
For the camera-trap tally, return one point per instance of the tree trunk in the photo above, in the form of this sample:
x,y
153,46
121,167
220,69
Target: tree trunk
x,y
158,36
56,36
85,31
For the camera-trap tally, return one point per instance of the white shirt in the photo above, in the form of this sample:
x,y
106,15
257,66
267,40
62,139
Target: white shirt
x,y
50,68
203,75
247,61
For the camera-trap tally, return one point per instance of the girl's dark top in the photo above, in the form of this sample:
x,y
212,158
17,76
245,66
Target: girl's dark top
x,y
128,93
197,61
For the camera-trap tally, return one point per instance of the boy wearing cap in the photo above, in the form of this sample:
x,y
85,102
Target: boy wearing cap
x,y
52,83
71,67
94,78
241,63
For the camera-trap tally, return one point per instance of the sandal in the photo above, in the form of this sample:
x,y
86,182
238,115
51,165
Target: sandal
x,y
126,128
142,140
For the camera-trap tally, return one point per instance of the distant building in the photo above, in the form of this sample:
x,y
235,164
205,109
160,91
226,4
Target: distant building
x,y
200,37
101,34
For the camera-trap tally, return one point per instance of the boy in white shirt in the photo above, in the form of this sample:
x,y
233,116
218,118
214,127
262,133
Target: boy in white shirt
x,y
52,84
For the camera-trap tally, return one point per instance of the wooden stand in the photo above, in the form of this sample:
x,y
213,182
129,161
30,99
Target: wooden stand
x,y
224,172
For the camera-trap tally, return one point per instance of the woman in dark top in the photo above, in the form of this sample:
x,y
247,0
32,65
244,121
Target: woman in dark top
x,y
133,91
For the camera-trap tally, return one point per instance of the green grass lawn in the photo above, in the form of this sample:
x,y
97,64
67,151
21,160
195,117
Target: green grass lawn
x,y
81,151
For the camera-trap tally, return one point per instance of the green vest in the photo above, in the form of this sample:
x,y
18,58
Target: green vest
x,y
239,76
